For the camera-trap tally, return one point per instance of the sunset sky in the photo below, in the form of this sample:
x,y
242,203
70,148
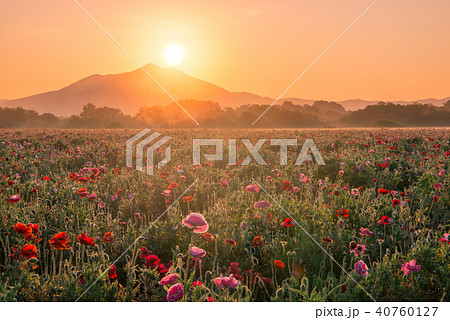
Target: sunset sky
x,y
398,51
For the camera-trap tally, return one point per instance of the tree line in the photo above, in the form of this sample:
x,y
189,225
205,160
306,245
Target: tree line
x,y
210,115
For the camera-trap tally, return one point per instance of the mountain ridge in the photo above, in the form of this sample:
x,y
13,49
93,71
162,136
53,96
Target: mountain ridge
x,y
132,90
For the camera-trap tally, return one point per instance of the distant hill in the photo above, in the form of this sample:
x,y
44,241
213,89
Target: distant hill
x,y
132,90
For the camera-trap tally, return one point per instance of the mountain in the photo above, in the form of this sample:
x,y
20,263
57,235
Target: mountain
x,y
131,90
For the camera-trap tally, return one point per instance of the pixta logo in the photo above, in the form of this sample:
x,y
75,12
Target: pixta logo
x,y
253,150
308,145
150,150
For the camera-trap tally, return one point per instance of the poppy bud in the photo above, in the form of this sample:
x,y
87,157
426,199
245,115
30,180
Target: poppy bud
x,y
353,245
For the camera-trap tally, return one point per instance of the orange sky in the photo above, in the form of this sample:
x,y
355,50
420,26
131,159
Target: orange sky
x,y
398,50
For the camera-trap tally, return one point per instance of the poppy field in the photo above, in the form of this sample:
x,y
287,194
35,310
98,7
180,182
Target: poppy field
x,y
373,223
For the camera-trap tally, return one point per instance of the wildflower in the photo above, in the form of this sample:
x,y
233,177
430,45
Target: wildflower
x,y
243,226
224,183
28,251
365,232
92,196
445,238
144,253
286,185
197,252
279,264
208,237
340,223
101,204
343,213
341,172
411,266
438,186
261,205
230,241
152,261
172,186
327,239
14,198
361,268
288,222
355,192
108,237
303,178
82,192
384,220
22,229
175,293
197,222
196,284
267,281
112,272
358,250
166,193
188,199
257,242
171,278
441,173
235,270
84,239
383,191
209,299
60,241
395,202
252,188
226,282
46,178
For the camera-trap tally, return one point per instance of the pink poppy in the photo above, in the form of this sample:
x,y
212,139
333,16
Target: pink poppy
x,y
445,238
438,185
175,293
252,188
261,205
14,198
197,222
166,193
226,282
197,252
171,278
361,268
358,250
92,196
224,183
365,232
410,266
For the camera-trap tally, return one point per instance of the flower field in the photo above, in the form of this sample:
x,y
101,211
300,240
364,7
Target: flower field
x,y
373,223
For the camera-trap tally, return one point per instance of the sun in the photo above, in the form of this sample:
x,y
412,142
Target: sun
x,y
173,54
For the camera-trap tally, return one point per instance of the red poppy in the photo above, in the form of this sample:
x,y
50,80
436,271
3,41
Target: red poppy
x,y
257,242
73,176
108,237
327,239
395,202
83,179
14,198
383,191
82,193
60,241
279,264
23,229
208,237
342,213
230,241
197,284
172,186
117,171
384,220
152,261
28,251
288,222
187,199
46,178
84,239
112,272
436,199
144,253
286,185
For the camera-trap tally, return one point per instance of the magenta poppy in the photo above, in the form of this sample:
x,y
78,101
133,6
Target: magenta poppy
x,y
197,222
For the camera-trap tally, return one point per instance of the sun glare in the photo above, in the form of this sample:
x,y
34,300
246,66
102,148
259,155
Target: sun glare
x,y
173,54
